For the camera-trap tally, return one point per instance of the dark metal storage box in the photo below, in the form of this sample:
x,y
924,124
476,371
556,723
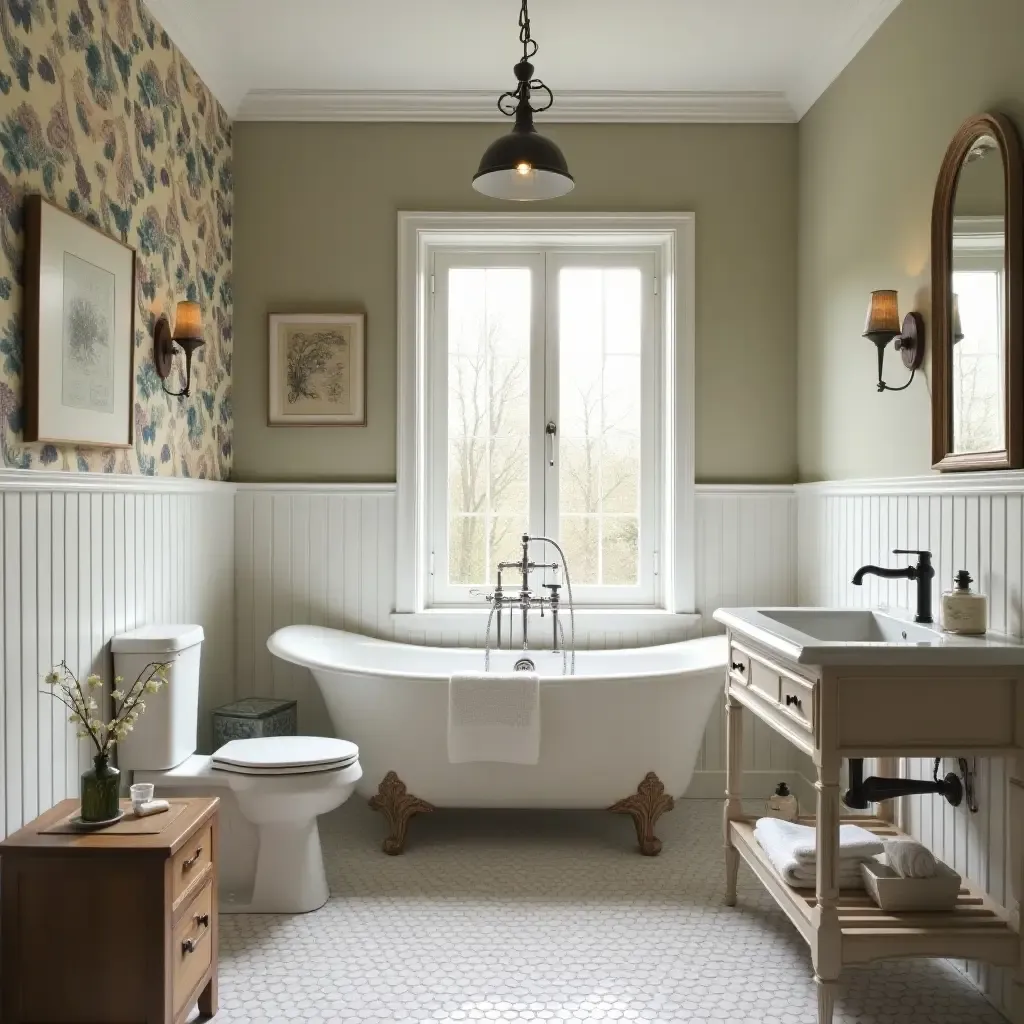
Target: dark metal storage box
x,y
254,716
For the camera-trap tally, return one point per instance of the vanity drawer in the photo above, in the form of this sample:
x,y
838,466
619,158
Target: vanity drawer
x,y
190,862
191,948
765,680
797,699
739,665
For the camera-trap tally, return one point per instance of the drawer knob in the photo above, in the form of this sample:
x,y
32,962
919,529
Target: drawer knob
x,y
738,666
188,946
189,863
790,699
203,920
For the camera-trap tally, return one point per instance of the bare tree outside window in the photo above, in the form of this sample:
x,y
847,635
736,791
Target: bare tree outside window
x,y
978,364
488,419
599,443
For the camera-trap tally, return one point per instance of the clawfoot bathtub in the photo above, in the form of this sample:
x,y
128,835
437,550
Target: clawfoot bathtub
x,y
624,714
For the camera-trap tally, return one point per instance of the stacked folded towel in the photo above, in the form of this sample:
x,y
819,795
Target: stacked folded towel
x,y
793,850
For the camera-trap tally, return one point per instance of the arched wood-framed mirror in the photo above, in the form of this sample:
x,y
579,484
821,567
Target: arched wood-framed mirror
x,y
978,300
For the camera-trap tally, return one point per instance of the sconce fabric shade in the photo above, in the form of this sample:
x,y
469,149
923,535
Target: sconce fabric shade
x,y
188,322
883,315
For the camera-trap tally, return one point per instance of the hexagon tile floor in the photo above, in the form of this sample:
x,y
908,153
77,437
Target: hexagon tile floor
x,y
522,916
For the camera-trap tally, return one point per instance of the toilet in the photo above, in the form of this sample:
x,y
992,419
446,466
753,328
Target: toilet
x,y
271,789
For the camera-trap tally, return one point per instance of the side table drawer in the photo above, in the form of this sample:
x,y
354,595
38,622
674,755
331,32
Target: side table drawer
x,y
192,948
190,862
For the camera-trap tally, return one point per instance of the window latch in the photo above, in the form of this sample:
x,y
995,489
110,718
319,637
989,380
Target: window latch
x,y
551,430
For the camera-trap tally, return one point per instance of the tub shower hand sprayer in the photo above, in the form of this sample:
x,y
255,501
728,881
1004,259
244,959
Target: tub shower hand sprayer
x,y
525,599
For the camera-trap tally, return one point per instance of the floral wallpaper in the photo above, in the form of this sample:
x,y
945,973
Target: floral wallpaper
x,y
101,114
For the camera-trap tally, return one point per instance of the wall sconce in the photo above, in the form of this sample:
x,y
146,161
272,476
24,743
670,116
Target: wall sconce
x,y
188,333
883,326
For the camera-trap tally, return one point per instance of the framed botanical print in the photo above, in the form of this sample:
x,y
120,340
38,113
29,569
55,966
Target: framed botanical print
x,y
317,369
79,330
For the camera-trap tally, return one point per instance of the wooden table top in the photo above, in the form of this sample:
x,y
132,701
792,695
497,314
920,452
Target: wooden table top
x,y
31,840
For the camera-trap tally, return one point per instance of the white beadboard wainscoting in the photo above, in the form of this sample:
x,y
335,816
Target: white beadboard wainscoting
x,y
968,521
86,556
325,555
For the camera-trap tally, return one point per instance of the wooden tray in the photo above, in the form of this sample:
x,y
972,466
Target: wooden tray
x,y
129,825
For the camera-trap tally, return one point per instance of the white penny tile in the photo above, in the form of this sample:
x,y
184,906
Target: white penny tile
x,y
526,916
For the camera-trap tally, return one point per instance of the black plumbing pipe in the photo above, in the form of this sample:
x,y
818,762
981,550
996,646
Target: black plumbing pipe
x,y
864,792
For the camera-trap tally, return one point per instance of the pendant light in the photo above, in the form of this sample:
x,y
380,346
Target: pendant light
x,y
524,165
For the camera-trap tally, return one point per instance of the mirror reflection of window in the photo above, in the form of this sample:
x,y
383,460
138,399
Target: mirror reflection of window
x,y
979,296
978,369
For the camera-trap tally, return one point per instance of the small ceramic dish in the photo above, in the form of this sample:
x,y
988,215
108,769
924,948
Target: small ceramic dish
x,y
92,826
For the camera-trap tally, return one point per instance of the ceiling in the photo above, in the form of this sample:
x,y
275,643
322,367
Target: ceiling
x,y
663,60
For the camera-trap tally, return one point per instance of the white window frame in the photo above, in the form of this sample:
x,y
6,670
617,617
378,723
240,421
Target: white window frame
x,y
671,237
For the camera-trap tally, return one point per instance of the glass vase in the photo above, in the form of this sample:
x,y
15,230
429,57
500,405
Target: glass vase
x,y
101,787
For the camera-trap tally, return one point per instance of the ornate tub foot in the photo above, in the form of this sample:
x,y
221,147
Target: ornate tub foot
x,y
398,806
646,805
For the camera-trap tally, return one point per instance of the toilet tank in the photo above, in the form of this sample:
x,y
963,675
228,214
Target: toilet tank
x,y
165,733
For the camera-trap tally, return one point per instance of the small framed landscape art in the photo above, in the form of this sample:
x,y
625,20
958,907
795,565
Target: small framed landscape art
x,y
79,330
317,369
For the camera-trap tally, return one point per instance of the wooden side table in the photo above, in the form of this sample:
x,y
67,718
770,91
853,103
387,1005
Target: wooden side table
x,y
108,928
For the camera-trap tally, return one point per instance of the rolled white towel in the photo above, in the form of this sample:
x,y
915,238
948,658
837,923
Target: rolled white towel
x,y
910,859
800,841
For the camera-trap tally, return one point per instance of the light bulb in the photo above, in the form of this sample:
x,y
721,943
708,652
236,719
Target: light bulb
x,y
524,168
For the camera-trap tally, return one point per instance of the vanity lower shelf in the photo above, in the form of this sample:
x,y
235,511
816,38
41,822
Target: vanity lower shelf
x,y
975,929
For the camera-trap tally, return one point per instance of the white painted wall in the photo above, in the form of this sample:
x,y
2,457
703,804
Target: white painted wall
x,y
85,557
325,555
968,521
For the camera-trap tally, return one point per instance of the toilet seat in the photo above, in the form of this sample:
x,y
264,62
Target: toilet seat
x,y
285,755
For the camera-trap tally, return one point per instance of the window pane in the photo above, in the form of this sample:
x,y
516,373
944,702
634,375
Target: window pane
x,y
488,417
600,326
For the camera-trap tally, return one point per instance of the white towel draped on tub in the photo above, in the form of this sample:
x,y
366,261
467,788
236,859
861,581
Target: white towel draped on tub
x,y
494,717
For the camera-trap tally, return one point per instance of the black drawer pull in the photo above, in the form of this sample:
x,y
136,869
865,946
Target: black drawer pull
x,y
203,920
190,863
188,946
790,699
738,666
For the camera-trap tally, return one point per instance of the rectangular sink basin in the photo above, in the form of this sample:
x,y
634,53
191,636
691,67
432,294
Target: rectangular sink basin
x,y
852,626
860,636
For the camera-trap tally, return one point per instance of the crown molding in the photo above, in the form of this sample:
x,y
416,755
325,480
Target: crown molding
x,y
138,483
570,107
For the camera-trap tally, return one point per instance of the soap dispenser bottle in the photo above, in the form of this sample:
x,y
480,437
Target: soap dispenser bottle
x,y
964,611
782,804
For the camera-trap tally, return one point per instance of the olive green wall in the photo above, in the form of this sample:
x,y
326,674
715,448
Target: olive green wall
x,y
870,151
316,229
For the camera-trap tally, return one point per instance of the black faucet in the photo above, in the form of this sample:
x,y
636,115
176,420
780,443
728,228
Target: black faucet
x,y
923,572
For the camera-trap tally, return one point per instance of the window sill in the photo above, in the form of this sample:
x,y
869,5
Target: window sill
x,y
642,622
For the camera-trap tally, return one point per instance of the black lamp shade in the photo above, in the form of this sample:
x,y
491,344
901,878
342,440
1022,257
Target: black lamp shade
x,y
523,166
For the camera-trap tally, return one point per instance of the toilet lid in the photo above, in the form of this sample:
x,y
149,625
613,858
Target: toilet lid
x,y
285,755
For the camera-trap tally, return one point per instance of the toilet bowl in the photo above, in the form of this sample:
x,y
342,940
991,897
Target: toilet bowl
x,y
272,789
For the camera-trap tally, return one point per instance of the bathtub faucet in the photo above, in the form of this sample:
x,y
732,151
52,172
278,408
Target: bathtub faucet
x,y
524,598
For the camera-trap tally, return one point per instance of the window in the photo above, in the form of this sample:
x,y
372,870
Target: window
x,y
539,365
540,396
